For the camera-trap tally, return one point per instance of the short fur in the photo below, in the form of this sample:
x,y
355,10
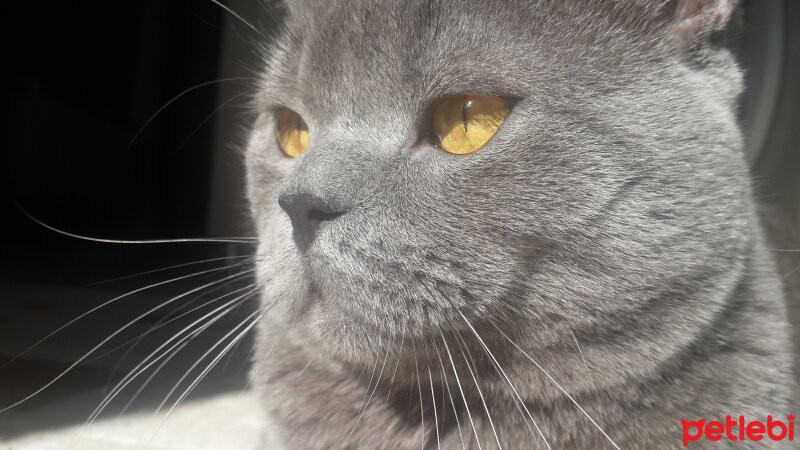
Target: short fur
x,y
608,229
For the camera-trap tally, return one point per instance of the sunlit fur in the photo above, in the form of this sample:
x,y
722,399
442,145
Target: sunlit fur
x,y
608,230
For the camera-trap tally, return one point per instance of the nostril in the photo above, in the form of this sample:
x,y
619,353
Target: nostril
x,y
307,212
318,215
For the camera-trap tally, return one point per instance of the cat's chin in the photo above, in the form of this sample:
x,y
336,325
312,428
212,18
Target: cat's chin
x,y
356,301
343,331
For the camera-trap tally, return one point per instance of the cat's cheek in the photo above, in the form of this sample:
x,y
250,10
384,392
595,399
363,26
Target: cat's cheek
x,y
280,271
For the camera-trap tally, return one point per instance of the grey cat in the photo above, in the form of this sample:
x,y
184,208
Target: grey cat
x,y
587,278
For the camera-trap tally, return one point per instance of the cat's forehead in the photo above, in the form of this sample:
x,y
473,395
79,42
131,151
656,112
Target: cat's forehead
x,y
367,53
366,56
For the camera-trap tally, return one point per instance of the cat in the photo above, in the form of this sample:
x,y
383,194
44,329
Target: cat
x,y
588,274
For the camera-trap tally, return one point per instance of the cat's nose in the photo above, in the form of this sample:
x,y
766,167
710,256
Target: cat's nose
x,y
307,213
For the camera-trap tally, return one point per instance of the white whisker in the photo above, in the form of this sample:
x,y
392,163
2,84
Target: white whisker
x,y
144,365
483,400
200,360
366,405
586,365
449,394
229,240
463,397
217,358
559,386
203,122
397,364
241,19
173,99
232,305
421,409
106,303
108,338
508,380
169,353
303,369
161,323
138,370
176,266
435,414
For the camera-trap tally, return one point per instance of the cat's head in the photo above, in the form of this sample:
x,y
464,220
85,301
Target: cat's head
x,y
615,178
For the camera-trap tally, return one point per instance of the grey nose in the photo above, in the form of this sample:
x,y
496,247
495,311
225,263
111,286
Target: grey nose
x,y
307,213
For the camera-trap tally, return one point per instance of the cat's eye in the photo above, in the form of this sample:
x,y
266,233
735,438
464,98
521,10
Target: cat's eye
x,y
464,123
291,132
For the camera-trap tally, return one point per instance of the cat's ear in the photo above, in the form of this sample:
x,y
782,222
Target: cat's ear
x,y
694,20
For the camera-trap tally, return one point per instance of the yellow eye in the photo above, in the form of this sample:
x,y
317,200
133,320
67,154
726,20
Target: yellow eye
x,y
292,133
464,123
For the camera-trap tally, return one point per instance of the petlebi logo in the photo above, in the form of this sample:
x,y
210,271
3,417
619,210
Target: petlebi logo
x,y
738,429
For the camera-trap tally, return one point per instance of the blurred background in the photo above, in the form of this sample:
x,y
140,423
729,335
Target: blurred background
x,y
123,121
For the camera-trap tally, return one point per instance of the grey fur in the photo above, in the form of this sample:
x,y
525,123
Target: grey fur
x,y
612,210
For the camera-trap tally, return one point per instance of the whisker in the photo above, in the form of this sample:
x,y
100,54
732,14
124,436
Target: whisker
x,y
435,415
139,369
203,122
209,351
169,353
238,300
449,394
235,347
557,385
176,266
241,19
421,409
217,358
361,374
228,240
463,397
104,304
480,394
369,383
366,405
168,318
104,341
397,364
197,363
172,354
588,372
508,380
304,368
173,99
161,323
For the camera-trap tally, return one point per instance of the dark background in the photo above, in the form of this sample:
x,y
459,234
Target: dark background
x,y
80,81
87,148
77,94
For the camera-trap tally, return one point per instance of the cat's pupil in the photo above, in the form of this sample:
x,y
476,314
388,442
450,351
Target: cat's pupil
x,y
464,113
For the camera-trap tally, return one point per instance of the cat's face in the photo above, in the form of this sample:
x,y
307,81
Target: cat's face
x,y
606,183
